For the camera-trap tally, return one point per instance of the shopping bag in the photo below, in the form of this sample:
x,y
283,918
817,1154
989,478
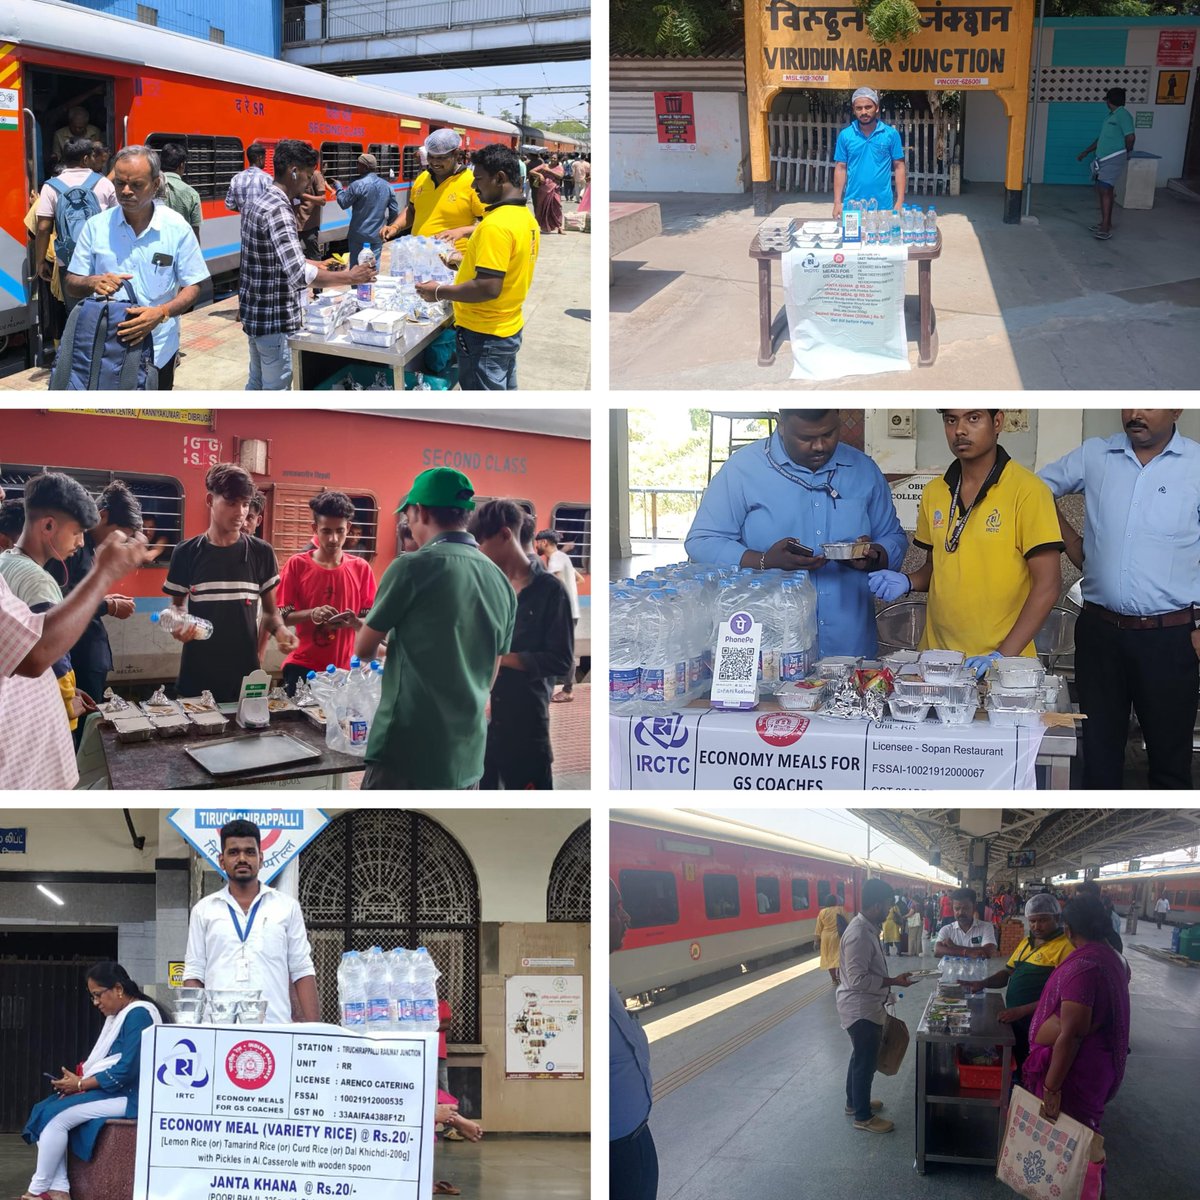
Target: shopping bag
x,y
1047,1160
892,1045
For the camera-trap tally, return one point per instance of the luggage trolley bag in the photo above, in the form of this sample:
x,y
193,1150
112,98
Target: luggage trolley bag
x,y
91,358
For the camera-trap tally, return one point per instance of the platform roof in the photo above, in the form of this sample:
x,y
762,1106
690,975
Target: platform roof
x,y
1065,839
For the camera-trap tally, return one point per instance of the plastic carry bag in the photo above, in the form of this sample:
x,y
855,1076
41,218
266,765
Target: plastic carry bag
x,y
1048,1160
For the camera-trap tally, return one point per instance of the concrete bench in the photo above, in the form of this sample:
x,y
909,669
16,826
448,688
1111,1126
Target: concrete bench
x,y
629,224
109,1176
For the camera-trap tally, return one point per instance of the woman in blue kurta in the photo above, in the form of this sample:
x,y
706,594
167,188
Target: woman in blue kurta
x,y
106,1086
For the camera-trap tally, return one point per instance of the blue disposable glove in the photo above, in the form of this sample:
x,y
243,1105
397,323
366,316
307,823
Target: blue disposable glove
x,y
889,585
979,663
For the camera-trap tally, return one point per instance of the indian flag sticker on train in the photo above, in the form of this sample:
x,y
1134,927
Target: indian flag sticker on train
x,y
9,108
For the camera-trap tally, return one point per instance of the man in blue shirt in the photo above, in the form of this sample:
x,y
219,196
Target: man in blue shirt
x,y
148,245
632,1158
865,157
1136,641
774,503
371,203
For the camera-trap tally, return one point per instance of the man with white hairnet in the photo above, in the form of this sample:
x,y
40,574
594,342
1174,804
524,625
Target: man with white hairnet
x,y
443,202
867,154
1028,969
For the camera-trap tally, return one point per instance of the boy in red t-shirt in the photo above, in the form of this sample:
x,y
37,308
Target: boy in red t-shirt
x,y
318,585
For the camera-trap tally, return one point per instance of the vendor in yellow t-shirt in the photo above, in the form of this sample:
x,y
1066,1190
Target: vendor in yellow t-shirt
x,y
990,530
494,278
443,202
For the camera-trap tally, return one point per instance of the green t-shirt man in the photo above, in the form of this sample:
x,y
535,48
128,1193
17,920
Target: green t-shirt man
x,y
1118,125
448,613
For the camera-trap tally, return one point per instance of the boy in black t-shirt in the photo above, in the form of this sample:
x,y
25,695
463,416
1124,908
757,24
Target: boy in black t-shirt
x,y
221,575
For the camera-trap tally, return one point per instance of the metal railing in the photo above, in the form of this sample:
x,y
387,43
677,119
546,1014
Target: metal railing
x,y
665,514
346,19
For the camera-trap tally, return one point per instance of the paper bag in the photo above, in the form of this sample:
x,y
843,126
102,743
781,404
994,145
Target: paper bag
x,y
1046,1160
892,1046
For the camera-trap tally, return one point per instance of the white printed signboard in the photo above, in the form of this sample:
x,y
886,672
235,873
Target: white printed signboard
x,y
269,1112
285,832
845,311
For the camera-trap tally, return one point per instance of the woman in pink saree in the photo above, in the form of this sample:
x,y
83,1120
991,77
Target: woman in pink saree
x,y
1079,1036
547,199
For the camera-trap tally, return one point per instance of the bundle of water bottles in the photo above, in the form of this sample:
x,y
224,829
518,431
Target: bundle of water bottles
x,y
392,991
863,221
664,624
349,700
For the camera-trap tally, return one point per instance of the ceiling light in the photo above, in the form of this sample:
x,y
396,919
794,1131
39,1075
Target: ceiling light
x,y
49,894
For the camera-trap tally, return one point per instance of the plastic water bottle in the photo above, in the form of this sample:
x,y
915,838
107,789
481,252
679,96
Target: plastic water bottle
x,y
354,713
895,231
352,991
624,662
677,642
794,660
906,225
425,1001
657,683
401,989
931,226
379,990
174,618
366,255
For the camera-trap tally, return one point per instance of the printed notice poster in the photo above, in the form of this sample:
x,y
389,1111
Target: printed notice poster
x,y
543,1027
845,311
675,120
1176,47
1172,87
267,1112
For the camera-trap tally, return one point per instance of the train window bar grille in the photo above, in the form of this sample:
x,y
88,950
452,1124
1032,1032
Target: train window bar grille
x,y
569,891
412,162
573,523
339,160
388,157
211,161
288,523
160,496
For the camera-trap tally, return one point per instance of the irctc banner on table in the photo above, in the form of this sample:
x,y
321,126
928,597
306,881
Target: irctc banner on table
x,y
845,311
267,1112
790,751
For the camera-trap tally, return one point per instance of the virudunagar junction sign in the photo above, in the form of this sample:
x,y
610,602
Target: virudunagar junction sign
x,y
984,47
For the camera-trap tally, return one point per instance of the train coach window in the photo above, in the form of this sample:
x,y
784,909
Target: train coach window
x,y
160,496
412,162
800,895
339,160
1193,899
388,158
288,525
573,523
766,892
211,161
649,897
829,893
721,897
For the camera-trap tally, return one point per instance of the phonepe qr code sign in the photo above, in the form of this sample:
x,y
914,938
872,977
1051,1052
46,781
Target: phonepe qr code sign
x,y
735,667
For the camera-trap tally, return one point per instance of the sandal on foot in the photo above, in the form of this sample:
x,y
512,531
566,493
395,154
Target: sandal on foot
x,y
445,1188
1102,236
561,698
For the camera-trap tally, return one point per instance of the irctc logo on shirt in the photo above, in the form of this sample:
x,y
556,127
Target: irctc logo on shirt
x,y
250,1065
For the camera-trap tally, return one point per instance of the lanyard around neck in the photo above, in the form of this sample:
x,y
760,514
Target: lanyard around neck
x,y
955,534
826,487
244,934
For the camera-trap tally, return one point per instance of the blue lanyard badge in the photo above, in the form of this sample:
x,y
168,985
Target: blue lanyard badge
x,y
244,934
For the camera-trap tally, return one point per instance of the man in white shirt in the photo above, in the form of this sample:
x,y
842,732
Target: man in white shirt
x,y
1161,908
559,564
249,936
967,936
861,997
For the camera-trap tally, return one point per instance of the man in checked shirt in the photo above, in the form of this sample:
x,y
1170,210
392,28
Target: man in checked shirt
x,y
274,272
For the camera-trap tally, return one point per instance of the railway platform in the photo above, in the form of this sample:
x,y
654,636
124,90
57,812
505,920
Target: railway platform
x,y
749,1092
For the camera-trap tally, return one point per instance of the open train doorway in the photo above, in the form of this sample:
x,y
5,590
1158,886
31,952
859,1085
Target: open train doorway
x,y
53,97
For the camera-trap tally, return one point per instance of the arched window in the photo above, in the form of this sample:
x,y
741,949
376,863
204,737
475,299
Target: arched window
x,y
569,893
390,878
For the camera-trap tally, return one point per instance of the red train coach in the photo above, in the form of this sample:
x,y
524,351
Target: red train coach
x,y
541,459
1141,889
144,85
706,893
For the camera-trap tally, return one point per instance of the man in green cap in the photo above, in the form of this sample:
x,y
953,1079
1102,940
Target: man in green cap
x,y
447,612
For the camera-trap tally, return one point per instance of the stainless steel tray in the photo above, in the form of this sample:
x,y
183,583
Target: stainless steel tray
x,y
232,756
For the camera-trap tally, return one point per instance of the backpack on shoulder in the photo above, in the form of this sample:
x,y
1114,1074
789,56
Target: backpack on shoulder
x,y
75,205
91,358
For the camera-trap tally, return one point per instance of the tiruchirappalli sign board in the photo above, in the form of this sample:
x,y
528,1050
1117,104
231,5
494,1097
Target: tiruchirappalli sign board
x,y
959,46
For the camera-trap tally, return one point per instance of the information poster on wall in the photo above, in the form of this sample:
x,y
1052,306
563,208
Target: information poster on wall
x,y
845,311
1172,87
270,1112
1176,47
543,1027
773,751
906,496
675,120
